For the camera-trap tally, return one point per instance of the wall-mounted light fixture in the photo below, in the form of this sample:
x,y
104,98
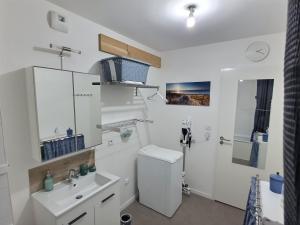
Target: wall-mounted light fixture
x,y
191,20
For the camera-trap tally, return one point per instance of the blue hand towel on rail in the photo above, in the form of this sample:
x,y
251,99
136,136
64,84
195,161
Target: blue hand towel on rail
x,y
59,147
80,142
250,209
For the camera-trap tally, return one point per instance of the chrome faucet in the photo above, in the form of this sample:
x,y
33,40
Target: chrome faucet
x,y
73,173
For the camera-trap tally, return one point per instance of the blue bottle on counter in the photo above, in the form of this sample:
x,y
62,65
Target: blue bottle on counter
x,y
276,183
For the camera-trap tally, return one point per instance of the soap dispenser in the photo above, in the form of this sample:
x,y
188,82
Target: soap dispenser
x,y
48,182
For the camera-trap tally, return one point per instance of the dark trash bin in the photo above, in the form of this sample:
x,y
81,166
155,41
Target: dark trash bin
x,y
126,219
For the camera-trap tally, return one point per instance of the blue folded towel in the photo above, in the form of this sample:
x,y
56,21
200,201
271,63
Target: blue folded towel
x,y
249,215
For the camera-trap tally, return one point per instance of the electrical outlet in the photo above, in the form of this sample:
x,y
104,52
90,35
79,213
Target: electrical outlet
x,y
126,181
110,142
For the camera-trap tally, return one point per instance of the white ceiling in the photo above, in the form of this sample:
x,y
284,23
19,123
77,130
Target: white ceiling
x,y
160,24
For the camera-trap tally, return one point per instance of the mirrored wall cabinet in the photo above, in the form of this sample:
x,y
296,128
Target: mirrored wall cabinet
x,y
64,109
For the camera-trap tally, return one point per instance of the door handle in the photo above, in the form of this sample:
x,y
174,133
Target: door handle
x,y
222,140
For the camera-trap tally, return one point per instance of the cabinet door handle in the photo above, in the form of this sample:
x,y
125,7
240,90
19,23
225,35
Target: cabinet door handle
x,y
108,197
77,218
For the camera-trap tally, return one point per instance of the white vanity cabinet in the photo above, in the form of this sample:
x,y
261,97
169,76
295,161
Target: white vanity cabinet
x,y
102,208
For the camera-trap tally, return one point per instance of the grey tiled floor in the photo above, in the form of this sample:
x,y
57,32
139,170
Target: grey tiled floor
x,y
194,210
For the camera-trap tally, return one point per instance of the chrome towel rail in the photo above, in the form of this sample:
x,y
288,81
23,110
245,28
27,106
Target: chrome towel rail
x,y
116,126
83,95
57,138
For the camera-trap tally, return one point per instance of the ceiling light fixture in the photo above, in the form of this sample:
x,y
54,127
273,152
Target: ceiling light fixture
x,y
191,20
227,69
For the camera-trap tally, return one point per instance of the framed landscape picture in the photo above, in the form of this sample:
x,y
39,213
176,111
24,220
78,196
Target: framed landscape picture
x,y
188,93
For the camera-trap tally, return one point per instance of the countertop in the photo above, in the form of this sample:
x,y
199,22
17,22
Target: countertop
x,y
272,203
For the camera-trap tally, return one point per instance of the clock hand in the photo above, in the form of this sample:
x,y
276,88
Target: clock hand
x,y
260,51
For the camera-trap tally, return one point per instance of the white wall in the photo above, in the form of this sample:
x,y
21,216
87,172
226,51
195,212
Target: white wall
x,y
204,63
23,28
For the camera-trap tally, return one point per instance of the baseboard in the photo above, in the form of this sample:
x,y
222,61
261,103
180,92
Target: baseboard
x,y
128,202
201,193
193,190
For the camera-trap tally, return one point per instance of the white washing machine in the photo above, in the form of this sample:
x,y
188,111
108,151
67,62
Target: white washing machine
x,y
160,179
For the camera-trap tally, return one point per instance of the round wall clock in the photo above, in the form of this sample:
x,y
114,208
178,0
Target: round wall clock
x,y
258,51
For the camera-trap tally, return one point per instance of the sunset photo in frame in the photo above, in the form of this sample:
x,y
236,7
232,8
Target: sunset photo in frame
x,y
188,93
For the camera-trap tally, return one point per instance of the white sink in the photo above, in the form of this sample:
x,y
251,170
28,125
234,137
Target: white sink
x,y
66,196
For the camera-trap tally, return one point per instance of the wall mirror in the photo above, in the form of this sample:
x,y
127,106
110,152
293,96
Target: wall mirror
x,y
251,132
87,109
55,112
67,111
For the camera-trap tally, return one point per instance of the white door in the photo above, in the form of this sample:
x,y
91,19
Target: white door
x,y
232,181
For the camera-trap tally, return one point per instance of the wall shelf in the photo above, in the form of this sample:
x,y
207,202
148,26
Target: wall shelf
x,y
116,47
125,84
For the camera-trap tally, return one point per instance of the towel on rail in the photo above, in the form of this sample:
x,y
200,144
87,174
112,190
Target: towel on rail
x,y
249,214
